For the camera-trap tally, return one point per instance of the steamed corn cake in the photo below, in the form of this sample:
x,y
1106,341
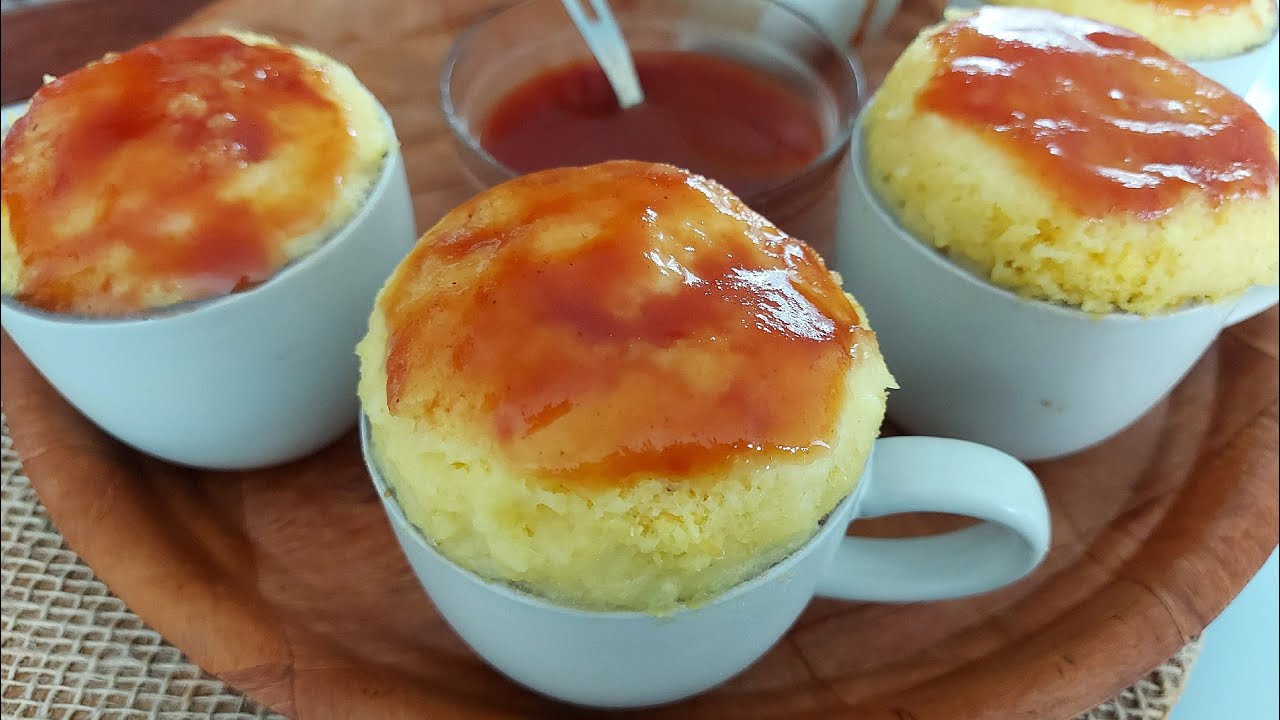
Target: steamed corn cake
x,y
617,388
1074,162
184,169
1188,29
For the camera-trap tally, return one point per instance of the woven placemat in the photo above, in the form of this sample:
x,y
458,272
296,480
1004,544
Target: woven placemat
x,y
71,650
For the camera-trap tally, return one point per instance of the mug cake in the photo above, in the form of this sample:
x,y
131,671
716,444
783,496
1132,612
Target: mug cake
x,y
617,387
1188,29
1076,163
185,169
194,232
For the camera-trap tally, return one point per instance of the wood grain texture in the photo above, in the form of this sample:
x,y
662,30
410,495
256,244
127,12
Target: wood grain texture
x,y
288,583
54,38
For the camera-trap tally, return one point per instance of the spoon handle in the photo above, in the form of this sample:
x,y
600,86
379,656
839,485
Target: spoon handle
x,y
606,43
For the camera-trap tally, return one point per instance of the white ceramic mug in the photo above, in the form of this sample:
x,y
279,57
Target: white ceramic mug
x,y
627,659
250,379
1035,379
1253,74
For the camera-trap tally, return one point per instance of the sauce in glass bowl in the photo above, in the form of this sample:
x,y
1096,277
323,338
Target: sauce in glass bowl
x,y
709,114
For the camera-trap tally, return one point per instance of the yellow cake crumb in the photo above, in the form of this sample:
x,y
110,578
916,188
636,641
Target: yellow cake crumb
x,y
1205,30
961,188
604,538
111,279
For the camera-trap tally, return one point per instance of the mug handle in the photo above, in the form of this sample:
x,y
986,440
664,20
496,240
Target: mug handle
x,y
1255,300
927,474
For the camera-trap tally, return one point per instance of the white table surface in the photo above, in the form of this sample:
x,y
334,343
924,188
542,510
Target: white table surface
x,y
1235,676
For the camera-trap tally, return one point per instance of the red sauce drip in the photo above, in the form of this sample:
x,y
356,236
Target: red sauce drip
x,y
665,330
711,115
127,158
1104,118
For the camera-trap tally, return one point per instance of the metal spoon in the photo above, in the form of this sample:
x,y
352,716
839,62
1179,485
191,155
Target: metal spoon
x,y
606,43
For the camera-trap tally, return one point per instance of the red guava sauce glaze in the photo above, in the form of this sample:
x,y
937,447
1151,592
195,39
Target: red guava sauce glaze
x,y
619,321
178,170
711,115
1103,118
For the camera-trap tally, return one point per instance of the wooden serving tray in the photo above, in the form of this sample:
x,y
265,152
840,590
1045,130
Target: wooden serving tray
x,y
288,584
